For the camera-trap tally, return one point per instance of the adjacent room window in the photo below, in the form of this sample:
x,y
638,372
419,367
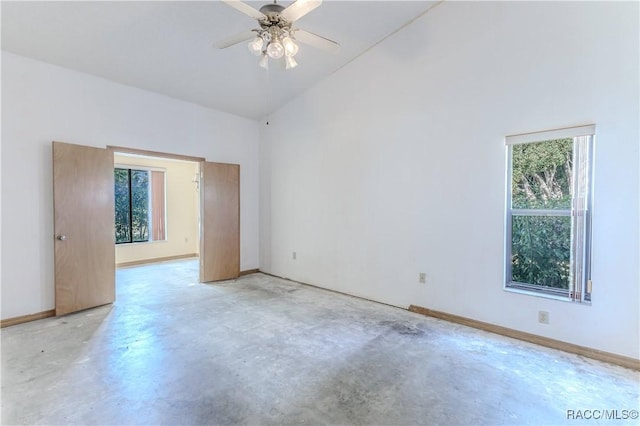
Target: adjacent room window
x,y
549,199
139,205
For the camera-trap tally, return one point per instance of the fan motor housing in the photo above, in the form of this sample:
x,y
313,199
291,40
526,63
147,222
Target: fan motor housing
x,y
272,12
271,9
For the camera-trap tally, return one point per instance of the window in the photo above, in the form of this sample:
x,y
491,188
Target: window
x,y
548,226
139,205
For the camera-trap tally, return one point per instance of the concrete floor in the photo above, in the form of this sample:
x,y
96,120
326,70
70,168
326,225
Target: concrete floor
x,y
262,350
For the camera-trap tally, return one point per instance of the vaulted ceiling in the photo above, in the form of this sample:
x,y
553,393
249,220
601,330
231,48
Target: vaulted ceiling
x,y
167,46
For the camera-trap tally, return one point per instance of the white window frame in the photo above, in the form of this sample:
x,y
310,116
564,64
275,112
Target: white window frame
x,y
581,212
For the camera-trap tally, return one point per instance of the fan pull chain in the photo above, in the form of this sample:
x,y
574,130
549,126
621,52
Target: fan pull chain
x,y
268,86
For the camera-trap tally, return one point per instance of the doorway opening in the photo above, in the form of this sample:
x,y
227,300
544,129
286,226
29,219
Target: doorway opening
x,y
84,225
157,208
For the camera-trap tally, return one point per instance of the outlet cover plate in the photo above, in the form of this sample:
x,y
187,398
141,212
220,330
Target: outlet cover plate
x,y
543,317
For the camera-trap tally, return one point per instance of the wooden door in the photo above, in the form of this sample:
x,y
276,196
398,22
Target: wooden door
x,y
219,221
83,203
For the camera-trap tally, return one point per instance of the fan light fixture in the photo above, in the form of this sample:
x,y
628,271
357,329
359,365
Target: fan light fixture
x,y
274,42
277,38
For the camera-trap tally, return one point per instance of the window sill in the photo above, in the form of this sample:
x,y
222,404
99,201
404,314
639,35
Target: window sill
x,y
140,242
545,295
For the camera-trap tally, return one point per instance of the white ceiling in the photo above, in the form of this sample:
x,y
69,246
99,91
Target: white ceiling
x,y
166,46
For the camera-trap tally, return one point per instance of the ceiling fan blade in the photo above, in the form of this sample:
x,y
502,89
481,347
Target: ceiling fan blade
x,y
246,9
238,38
299,8
316,41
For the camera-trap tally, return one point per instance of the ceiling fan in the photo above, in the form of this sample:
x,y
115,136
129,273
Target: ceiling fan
x,y
276,37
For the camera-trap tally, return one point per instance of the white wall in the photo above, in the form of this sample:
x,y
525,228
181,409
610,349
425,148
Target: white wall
x,y
42,103
395,165
181,211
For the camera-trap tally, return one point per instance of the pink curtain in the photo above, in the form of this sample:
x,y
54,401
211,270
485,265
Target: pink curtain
x,y
157,206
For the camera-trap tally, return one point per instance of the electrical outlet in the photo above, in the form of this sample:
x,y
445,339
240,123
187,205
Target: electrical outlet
x,y
543,317
422,278
294,255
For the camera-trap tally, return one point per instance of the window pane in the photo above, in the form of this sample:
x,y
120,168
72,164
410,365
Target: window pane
x,y
140,205
121,190
540,250
541,175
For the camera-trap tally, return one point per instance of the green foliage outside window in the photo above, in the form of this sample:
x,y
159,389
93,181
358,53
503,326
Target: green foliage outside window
x,y
541,245
123,218
540,252
131,205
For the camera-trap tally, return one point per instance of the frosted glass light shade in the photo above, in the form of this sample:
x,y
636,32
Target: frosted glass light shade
x,y
255,46
290,46
264,61
290,62
275,50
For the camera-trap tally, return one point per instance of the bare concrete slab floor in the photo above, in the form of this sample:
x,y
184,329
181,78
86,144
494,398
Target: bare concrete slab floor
x,y
261,350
